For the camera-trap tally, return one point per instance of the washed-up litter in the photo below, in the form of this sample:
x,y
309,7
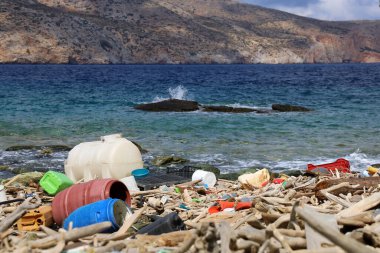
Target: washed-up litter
x,y
82,194
341,165
111,157
33,219
53,182
334,212
112,210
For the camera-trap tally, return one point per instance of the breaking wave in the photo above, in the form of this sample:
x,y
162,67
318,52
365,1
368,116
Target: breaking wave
x,y
179,92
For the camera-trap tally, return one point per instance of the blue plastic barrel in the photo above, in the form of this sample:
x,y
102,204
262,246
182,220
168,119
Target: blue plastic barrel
x,y
112,210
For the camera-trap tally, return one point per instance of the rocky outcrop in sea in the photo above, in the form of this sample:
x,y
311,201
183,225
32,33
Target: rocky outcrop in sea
x,y
179,105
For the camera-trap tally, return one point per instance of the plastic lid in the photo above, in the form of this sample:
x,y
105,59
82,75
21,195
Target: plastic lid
x,y
140,173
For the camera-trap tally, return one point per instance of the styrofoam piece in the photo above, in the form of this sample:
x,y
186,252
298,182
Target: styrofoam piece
x,y
3,196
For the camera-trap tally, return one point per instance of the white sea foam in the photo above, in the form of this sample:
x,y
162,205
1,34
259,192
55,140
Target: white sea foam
x,y
158,99
238,105
179,92
358,162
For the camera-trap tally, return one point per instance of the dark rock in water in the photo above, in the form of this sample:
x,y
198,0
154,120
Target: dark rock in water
x,y
205,167
25,179
229,109
20,170
170,105
234,175
53,148
142,150
289,108
45,152
4,168
230,176
166,160
376,165
276,172
177,105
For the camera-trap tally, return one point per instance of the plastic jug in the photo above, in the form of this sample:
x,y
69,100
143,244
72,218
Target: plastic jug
x,y
257,179
33,219
170,223
111,157
112,210
82,194
53,182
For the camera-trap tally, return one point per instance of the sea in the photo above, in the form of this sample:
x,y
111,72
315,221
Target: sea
x,y
69,104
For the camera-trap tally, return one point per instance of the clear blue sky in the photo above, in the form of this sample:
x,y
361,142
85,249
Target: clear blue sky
x,y
326,9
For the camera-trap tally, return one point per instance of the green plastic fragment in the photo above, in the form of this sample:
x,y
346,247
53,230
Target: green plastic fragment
x,y
183,206
164,251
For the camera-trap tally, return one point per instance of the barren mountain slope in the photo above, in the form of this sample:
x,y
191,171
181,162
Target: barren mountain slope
x,y
175,31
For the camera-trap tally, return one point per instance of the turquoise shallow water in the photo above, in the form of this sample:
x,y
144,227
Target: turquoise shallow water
x,y
58,104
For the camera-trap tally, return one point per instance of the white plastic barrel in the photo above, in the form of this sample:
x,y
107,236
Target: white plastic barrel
x,y
111,157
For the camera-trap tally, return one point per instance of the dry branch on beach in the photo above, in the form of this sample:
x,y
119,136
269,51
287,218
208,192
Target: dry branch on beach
x,y
287,217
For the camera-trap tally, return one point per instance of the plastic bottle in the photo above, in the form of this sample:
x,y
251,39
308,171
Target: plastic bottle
x,y
169,223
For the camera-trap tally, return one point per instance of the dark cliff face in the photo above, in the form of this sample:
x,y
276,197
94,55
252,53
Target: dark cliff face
x,y
175,31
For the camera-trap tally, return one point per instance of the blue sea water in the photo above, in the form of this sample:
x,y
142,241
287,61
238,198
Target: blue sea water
x,y
68,104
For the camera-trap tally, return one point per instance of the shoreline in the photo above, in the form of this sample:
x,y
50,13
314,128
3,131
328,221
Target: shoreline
x,y
21,159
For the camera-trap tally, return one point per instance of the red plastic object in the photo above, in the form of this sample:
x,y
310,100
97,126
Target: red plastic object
x,y
278,180
214,209
82,194
341,165
226,204
264,183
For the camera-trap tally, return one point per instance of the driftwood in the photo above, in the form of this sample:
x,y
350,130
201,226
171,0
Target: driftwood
x,y
351,246
111,247
277,221
328,195
72,235
371,234
367,182
361,206
18,213
128,222
324,250
186,246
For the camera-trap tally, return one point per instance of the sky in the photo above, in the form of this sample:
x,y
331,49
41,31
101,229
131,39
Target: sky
x,y
326,9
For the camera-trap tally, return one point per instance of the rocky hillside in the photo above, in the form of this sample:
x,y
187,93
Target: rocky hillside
x,y
175,31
